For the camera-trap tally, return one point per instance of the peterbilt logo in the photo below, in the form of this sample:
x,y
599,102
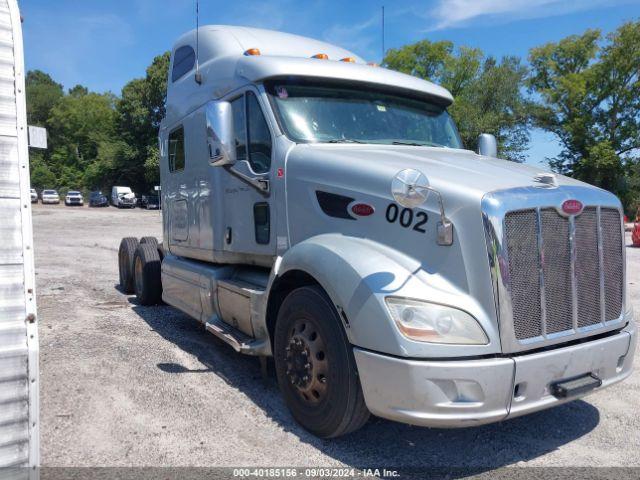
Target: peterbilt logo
x,y
572,207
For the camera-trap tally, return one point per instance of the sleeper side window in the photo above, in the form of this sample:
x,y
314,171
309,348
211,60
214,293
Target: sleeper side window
x,y
176,150
184,59
259,136
240,127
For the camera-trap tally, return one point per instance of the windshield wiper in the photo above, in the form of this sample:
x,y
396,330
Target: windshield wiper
x,y
344,140
416,144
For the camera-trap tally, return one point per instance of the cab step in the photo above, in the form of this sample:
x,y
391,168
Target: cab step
x,y
239,341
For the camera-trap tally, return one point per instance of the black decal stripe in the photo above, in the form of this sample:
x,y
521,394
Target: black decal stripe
x,y
334,205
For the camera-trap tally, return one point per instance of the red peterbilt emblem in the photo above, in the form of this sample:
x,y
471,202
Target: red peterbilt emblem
x,y
572,207
362,209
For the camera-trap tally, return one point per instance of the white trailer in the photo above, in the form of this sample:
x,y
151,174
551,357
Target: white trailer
x,y
19,425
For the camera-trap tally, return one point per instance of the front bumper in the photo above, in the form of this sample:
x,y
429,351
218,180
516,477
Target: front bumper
x,y
461,393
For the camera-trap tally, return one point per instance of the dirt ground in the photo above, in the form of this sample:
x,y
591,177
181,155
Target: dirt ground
x,y
126,385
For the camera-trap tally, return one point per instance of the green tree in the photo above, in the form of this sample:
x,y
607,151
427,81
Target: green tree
x,y
488,94
78,91
139,113
77,125
42,94
589,92
41,176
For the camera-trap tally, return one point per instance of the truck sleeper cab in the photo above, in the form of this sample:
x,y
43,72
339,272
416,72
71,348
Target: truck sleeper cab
x,y
324,212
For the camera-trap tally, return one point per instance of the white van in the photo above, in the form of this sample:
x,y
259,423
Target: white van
x,y
123,197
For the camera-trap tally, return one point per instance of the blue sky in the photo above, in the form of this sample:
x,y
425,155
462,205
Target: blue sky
x,y
103,44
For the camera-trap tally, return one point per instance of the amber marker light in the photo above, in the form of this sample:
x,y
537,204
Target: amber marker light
x,y
348,60
252,51
321,56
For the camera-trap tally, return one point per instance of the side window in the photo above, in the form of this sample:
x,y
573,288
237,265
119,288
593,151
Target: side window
x,y
259,136
176,150
184,60
240,127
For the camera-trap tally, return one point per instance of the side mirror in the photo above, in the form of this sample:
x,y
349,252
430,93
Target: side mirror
x,y
487,145
220,134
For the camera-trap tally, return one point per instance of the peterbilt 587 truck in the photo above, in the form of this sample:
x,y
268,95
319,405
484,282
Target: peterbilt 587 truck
x,y
323,211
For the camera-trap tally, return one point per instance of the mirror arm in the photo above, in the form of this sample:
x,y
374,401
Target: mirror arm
x,y
259,183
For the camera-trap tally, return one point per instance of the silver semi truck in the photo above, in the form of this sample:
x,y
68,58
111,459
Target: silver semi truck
x,y
323,211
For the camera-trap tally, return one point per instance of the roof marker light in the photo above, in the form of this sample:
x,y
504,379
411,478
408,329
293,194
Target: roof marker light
x,y
348,60
252,51
321,56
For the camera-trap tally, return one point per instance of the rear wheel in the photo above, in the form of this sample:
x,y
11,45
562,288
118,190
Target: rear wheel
x,y
315,365
126,252
147,274
150,240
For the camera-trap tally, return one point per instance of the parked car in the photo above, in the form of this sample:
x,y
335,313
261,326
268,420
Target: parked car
x,y
123,197
97,199
50,196
73,198
150,202
34,195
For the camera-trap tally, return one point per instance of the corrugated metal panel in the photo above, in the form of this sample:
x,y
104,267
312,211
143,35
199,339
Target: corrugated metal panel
x,y
18,329
9,168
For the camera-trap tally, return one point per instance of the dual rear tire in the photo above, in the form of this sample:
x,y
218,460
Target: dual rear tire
x,y
139,265
147,273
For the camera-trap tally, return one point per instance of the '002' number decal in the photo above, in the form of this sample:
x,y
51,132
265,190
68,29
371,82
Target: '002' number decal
x,y
406,217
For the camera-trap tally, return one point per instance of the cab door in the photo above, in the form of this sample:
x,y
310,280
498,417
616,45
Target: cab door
x,y
247,197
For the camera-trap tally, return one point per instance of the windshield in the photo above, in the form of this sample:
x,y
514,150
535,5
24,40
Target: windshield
x,y
322,112
73,193
49,192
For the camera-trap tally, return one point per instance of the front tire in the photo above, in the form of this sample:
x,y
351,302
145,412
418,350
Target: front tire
x,y
315,366
147,274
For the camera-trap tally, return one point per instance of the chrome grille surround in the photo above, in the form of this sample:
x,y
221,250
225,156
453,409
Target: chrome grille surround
x,y
554,264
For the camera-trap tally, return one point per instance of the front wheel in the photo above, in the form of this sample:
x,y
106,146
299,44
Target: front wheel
x,y
315,366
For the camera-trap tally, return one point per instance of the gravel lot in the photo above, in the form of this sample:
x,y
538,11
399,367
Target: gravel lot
x,y
126,385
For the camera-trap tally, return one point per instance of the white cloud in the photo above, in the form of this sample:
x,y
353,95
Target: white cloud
x,y
458,13
364,38
360,37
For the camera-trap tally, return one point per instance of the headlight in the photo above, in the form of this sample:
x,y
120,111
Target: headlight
x,y
432,323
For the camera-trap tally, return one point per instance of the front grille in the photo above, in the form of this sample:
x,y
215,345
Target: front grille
x,y
563,273
612,252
